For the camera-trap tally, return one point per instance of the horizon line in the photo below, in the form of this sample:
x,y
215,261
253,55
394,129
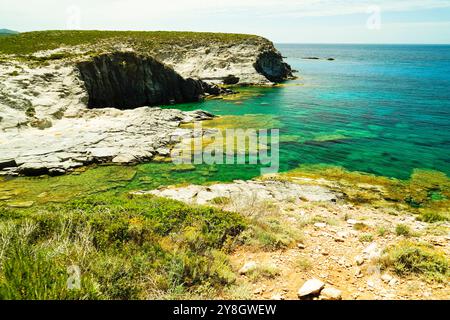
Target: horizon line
x,y
367,43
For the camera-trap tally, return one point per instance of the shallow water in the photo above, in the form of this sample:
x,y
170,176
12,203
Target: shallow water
x,y
378,109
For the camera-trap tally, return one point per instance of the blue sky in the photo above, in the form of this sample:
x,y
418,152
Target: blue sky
x,y
298,21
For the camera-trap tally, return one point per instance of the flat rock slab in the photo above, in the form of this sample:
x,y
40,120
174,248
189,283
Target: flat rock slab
x,y
102,135
243,193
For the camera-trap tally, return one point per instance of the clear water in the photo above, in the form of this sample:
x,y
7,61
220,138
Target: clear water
x,y
377,109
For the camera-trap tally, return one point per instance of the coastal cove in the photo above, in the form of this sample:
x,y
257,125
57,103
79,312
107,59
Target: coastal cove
x,y
359,208
359,112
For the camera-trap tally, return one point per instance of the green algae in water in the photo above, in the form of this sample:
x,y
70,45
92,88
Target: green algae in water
x,y
60,189
248,121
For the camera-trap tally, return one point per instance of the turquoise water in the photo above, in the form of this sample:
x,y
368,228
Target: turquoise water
x,y
378,109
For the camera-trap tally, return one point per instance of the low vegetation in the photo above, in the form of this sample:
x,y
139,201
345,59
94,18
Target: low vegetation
x,y
408,257
31,42
403,230
264,272
124,248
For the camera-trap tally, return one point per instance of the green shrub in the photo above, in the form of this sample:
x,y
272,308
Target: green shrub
x,y
263,272
403,230
28,274
408,258
382,231
125,247
304,264
367,237
432,216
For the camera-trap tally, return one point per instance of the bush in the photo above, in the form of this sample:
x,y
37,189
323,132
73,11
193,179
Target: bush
x,y
125,247
403,230
264,272
408,258
432,216
366,237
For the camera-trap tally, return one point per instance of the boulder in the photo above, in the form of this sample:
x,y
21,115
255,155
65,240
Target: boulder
x,y
310,288
124,158
230,80
330,293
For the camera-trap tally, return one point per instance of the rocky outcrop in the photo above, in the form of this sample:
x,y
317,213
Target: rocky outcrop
x,y
127,80
249,63
94,136
47,124
270,64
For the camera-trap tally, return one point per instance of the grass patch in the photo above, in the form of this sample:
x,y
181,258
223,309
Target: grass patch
x,y
366,237
304,264
403,230
382,231
30,42
263,272
432,216
407,258
221,201
269,234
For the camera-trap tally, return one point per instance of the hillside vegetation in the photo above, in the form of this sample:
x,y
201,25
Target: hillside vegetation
x,y
32,42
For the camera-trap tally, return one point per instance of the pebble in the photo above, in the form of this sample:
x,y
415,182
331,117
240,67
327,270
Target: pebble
x,y
320,225
249,266
386,278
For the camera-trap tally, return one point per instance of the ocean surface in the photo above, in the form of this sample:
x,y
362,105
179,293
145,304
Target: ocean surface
x,y
380,109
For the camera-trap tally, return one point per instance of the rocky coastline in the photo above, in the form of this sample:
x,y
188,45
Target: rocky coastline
x,y
68,107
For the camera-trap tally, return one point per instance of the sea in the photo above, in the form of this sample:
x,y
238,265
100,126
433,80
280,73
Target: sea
x,y
378,109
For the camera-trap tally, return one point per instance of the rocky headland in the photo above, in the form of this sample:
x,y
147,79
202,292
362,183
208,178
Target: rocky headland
x,y
56,88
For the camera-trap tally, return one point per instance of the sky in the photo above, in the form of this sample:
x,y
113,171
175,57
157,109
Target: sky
x,y
282,21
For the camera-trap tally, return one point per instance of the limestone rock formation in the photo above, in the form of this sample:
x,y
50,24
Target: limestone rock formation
x,y
126,80
46,125
94,136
